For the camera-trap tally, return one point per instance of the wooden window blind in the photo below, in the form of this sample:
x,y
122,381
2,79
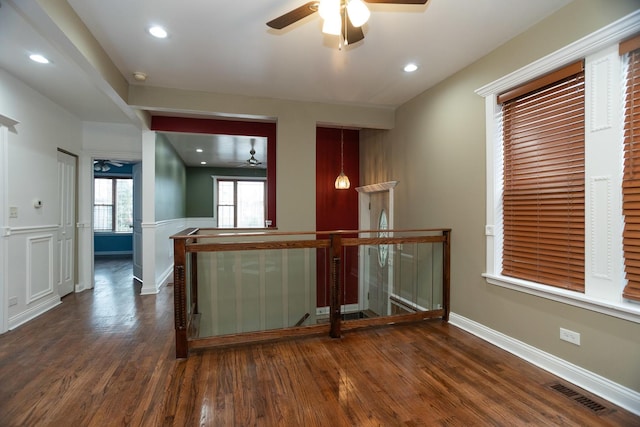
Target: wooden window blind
x,y
631,179
543,199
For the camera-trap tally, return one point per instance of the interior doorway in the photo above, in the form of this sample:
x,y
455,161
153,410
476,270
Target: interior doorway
x,y
114,218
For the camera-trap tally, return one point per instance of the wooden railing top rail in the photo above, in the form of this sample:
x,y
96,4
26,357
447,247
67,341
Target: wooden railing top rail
x,y
201,233
191,237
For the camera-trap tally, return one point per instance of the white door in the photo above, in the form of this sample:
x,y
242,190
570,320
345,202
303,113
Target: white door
x,y
137,221
378,256
67,223
376,261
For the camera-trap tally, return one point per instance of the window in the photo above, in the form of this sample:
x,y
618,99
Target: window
x,y
566,197
631,178
543,181
240,203
113,205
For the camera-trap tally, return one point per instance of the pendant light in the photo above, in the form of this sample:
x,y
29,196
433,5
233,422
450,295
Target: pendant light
x,y
342,181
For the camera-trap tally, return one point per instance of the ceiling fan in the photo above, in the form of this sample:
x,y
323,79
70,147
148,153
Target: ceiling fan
x,y
104,165
252,161
341,17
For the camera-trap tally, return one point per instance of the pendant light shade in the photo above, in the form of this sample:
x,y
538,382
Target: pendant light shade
x,y
342,181
358,13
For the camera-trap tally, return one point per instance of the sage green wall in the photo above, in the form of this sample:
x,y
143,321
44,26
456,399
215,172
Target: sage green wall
x,y
171,182
437,153
200,187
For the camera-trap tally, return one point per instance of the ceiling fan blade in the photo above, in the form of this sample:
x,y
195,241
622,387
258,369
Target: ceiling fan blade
x,y
398,1
116,164
294,16
350,33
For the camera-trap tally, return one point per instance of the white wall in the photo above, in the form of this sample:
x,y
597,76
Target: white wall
x,y
31,158
99,141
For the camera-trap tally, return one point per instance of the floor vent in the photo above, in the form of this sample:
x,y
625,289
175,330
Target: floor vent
x,y
580,398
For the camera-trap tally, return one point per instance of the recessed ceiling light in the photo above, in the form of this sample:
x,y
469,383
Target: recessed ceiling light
x,y
158,31
36,57
410,68
203,163
199,150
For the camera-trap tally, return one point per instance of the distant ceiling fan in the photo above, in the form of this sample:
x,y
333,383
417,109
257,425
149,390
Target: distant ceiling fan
x,y
104,165
341,17
252,161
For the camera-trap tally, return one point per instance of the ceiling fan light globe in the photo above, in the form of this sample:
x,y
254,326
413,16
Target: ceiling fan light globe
x,y
332,25
358,13
326,8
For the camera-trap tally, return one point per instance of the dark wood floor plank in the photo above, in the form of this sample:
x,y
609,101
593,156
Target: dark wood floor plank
x,y
105,358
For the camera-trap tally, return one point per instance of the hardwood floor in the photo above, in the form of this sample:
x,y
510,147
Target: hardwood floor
x,y
105,358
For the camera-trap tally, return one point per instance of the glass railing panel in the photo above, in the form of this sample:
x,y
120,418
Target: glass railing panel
x,y
394,279
418,276
256,290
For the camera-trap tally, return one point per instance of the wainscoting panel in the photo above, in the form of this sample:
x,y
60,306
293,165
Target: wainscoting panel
x,y
39,267
33,255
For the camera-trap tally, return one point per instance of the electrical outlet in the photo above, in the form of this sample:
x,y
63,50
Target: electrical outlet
x,y
570,336
13,301
13,212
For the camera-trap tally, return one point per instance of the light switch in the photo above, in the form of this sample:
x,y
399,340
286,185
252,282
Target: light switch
x,y
13,212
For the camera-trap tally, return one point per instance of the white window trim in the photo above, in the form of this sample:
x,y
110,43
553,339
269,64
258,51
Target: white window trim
x,y
216,178
594,48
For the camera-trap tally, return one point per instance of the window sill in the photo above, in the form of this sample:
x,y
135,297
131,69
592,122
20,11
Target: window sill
x,y
623,309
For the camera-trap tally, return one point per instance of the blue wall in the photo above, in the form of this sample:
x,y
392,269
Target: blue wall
x,y
112,243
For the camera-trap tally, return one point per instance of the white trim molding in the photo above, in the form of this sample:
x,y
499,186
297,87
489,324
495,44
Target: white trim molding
x,y
598,40
607,389
34,310
374,188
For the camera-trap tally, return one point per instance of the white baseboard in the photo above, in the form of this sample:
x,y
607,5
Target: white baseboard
x,y
603,387
111,253
33,312
165,278
346,308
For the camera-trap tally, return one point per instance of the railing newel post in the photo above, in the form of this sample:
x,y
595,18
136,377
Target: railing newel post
x,y
446,273
180,297
335,288
194,280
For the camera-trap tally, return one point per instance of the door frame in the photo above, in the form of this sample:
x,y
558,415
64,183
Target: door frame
x,y
6,125
136,242
364,223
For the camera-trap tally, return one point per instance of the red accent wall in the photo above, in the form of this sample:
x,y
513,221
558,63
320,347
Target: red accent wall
x,y
230,127
337,209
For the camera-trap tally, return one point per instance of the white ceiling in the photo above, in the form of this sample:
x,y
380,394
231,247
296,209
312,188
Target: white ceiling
x,y
224,46
219,150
